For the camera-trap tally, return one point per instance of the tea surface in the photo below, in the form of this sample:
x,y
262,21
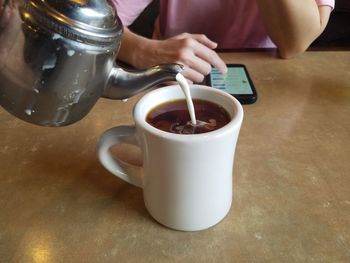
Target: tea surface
x,y
173,116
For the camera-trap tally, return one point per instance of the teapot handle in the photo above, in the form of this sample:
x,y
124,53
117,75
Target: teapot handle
x,y
117,135
123,84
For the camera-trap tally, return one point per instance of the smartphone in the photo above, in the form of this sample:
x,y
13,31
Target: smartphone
x,y
236,82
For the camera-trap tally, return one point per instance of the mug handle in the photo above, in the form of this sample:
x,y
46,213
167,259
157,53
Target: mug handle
x,y
117,135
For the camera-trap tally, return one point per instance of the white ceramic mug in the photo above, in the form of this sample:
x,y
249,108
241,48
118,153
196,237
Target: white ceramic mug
x,y
186,179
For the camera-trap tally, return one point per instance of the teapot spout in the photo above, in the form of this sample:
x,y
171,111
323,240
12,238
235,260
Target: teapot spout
x,y
123,84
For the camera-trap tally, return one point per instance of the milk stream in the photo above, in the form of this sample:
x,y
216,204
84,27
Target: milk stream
x,y
186,90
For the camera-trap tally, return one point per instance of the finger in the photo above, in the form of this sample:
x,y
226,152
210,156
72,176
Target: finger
x,y
199,65
195,66
201,58
203,39
192,75
211,57
203,52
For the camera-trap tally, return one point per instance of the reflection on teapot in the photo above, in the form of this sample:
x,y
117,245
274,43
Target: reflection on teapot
x,y
57,58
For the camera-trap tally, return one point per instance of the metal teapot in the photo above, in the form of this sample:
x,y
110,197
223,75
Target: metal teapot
x,y
57,58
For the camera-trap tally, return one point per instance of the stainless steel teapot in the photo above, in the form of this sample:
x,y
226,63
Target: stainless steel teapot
x,y
57,58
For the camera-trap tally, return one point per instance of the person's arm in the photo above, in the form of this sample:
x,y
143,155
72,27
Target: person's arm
x,y
195,52
293,24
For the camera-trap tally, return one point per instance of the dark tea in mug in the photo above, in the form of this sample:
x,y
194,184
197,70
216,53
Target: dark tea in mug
x,y
173,116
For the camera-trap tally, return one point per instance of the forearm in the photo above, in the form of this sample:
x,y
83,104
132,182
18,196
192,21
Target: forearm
x,y
293,24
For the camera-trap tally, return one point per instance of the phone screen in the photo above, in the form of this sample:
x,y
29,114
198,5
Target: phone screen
x,y
235,82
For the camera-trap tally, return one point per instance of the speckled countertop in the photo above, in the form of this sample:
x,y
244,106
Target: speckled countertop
x,y
291,180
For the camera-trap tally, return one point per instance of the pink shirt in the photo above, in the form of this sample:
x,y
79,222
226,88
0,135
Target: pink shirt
x,y
232,24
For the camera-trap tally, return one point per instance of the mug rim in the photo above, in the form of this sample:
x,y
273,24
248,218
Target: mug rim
x,y
140,114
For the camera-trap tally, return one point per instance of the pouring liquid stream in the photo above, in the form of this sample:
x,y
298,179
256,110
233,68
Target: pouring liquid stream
x,y
186,90
191,126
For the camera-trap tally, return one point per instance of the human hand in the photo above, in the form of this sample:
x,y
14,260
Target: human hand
x,y
194,51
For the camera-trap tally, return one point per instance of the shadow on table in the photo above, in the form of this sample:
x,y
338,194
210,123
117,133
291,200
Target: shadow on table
x,y
70,175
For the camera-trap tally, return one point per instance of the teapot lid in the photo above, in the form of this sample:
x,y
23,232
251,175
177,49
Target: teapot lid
x,y
87,21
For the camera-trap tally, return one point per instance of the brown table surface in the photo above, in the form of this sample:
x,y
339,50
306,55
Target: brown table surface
x,y
291,179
